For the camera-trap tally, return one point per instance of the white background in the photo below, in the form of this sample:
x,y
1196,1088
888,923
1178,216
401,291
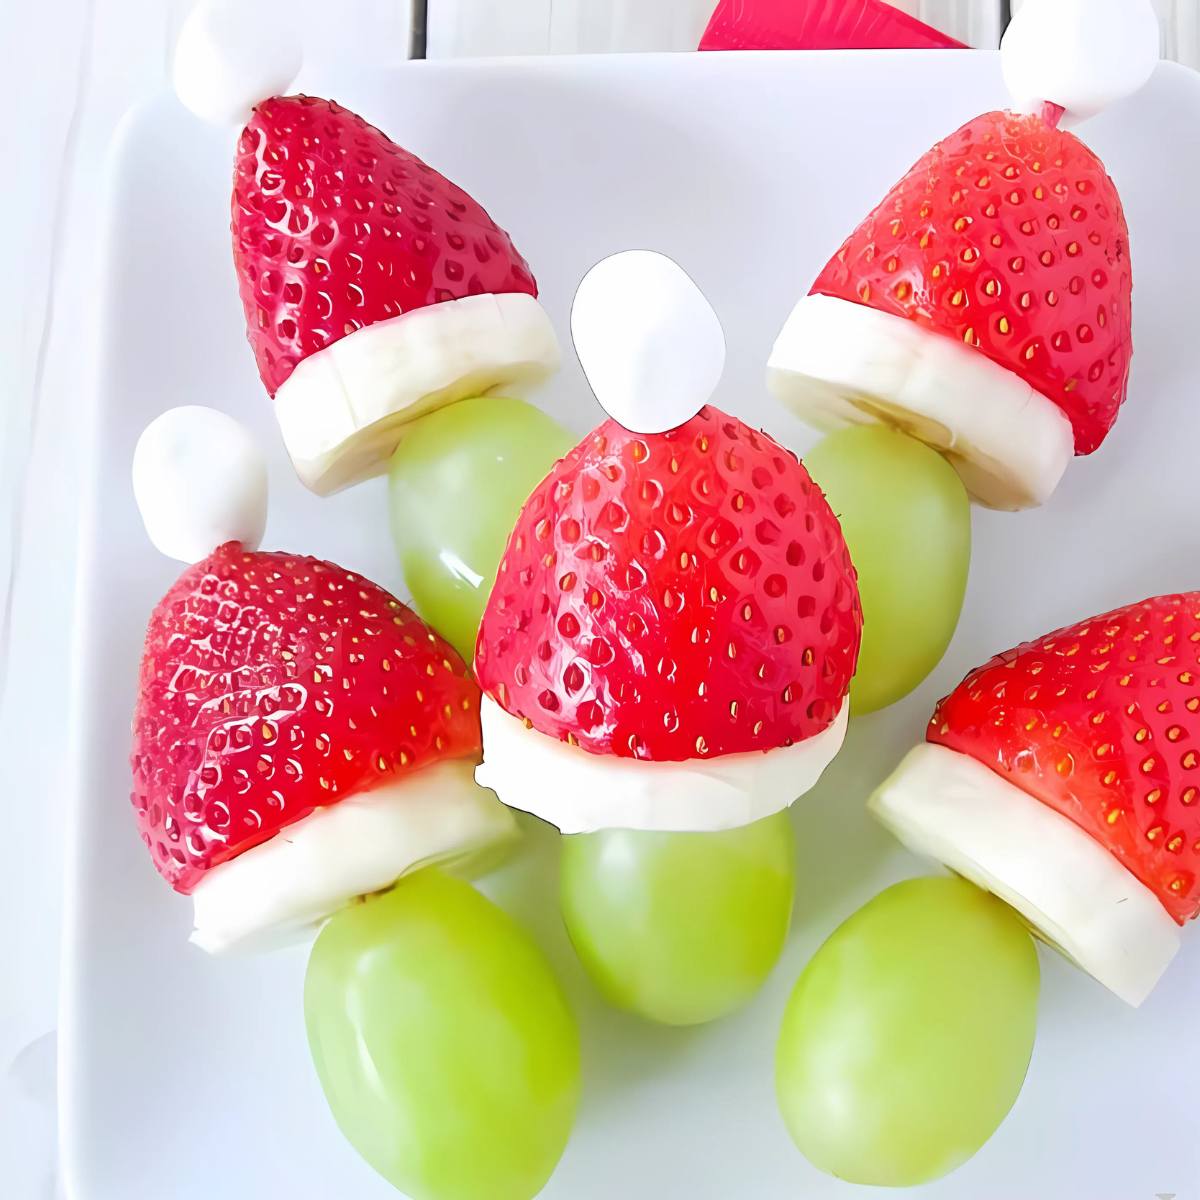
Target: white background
x,y
72,69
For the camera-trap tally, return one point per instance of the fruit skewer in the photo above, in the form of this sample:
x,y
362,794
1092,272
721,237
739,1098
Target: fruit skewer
x,y
665,658
303,752
984,307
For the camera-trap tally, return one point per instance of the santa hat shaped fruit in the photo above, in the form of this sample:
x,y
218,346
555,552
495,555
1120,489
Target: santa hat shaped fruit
x,y
1064,775
675,622
375,289
300,736
985,305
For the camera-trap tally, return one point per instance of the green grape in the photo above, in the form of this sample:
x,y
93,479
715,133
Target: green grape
x,y
907,521
443,1042
458,480
908,1035
680,927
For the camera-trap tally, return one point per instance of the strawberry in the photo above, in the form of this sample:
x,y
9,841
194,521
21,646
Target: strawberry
x,y
273,685
1099,721
818,25
672,596
1008,236
335,227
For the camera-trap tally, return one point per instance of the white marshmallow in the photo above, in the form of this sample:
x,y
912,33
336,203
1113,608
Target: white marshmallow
x,y
232,55
200,481
581,792
1082,55
649,342
277,891
1074,893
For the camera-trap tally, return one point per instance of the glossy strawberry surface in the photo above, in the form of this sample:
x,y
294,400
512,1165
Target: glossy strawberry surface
x,y
336,227
272,685
674,596
1101,721
1010,237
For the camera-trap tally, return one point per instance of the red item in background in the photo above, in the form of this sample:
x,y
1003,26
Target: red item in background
x,y
819,25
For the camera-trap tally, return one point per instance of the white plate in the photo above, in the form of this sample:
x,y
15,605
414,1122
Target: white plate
x,y
188,1078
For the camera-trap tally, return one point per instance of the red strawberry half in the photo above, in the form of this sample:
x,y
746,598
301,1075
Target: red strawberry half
x,y
374,288
984,305
277,693
668,600
1084,748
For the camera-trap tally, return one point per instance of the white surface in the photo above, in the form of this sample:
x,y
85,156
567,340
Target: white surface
x,y
956,810
200,480
76,66
276,892
182,1069
837,363
1082,55
579,792
93,59
343,410
647,339
231,55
